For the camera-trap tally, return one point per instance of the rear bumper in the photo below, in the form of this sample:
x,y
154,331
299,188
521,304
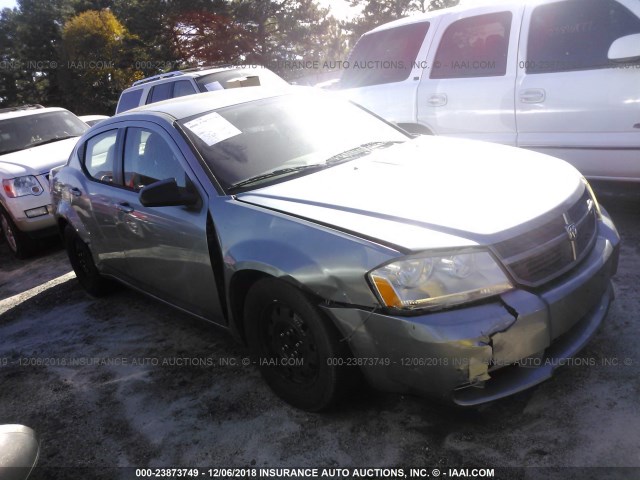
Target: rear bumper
x,y
485,352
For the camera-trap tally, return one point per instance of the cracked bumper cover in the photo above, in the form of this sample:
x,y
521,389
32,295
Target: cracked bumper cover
x,y
452,353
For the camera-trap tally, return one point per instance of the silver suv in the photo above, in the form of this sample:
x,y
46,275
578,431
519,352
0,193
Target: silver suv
x,y
33,140
195,80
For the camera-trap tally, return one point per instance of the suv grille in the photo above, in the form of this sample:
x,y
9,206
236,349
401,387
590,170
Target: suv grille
x,y
537,257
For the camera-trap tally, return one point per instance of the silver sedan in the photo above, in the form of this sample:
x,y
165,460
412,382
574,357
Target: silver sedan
x,y
338,247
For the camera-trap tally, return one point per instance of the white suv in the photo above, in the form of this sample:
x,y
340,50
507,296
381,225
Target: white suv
x,y
33,140
558,76
196,80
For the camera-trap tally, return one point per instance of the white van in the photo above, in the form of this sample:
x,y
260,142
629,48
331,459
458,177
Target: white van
x,y
558,76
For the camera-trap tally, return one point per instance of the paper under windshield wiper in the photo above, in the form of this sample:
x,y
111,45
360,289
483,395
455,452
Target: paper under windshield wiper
x,y
358,151
276,173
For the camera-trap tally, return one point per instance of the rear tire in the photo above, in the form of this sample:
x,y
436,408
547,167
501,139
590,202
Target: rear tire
x,y
283,327
18,242
83,265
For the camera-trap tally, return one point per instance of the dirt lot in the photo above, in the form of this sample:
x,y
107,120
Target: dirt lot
x,y
151,408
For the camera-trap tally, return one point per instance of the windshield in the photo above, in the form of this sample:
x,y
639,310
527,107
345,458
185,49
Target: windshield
x,y
19,133
273,138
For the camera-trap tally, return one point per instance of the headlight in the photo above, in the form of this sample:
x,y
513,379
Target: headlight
x,y
438,281
21,186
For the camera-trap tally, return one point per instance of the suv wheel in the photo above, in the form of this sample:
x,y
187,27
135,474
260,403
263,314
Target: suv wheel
x,y
19,244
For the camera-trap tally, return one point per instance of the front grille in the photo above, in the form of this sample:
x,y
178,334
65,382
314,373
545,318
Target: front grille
x,y
539,256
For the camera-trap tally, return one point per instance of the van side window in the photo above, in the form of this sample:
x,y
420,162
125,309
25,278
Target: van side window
x,y
99,156
384,57
576,34
474,47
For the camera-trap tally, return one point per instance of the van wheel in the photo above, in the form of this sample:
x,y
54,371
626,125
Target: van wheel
x,y
19,243
298,349
83,265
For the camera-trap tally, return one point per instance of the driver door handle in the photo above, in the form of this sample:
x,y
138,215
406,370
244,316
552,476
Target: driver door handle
x,y
124,207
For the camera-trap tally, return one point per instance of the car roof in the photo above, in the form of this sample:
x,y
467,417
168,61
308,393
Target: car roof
x,y
30,111
189,105
468,6
193,73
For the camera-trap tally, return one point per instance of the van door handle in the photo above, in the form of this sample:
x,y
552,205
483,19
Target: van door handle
x,y
124,207
533,95
438,100
76,192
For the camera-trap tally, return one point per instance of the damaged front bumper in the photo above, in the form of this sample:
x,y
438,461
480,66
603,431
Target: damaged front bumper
x,y
484,352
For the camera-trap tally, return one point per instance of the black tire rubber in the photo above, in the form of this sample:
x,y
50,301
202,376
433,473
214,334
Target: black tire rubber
x,y
19,243
281,323
83,265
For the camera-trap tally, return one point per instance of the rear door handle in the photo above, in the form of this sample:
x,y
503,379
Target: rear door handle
x,y
76,192
124,207
438,100
533,95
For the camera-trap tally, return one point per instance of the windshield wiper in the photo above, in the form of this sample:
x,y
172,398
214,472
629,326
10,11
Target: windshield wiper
x,y
359,151
51,140
276,173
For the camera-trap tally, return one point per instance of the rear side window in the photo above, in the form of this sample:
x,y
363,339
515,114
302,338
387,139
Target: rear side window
x,y
384,57
99,157
474,47
576,34
182,88
160,92
129,100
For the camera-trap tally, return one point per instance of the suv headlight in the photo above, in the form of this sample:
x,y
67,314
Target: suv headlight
x,y
433,281
21,186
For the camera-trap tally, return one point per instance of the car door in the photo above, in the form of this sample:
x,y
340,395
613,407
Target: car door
x,y
166,248
469,88
95,198
573,102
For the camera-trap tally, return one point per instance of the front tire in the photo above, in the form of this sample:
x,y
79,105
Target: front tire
x,y
299,351
19,243
83,265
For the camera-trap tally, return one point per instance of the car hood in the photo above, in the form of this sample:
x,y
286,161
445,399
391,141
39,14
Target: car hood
x,y
36,160
431,192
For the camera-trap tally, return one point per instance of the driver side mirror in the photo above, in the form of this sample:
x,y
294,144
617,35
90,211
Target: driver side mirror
x,y
625,49
166,193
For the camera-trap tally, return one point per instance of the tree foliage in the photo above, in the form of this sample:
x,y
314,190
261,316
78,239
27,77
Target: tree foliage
x,y
48,49
96,61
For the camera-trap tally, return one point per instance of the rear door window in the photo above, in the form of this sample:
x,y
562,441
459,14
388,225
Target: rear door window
x,y
474,47
160,92
384,57
99,157
182,88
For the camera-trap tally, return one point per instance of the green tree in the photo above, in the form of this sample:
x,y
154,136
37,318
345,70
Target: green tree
x,y
38,34
278,32
10,67
438,4
97,61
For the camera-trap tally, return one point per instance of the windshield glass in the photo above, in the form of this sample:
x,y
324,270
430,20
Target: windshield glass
x,y
19,133
277,137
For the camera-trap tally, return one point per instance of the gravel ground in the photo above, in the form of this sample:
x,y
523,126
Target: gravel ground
x,y
149,408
